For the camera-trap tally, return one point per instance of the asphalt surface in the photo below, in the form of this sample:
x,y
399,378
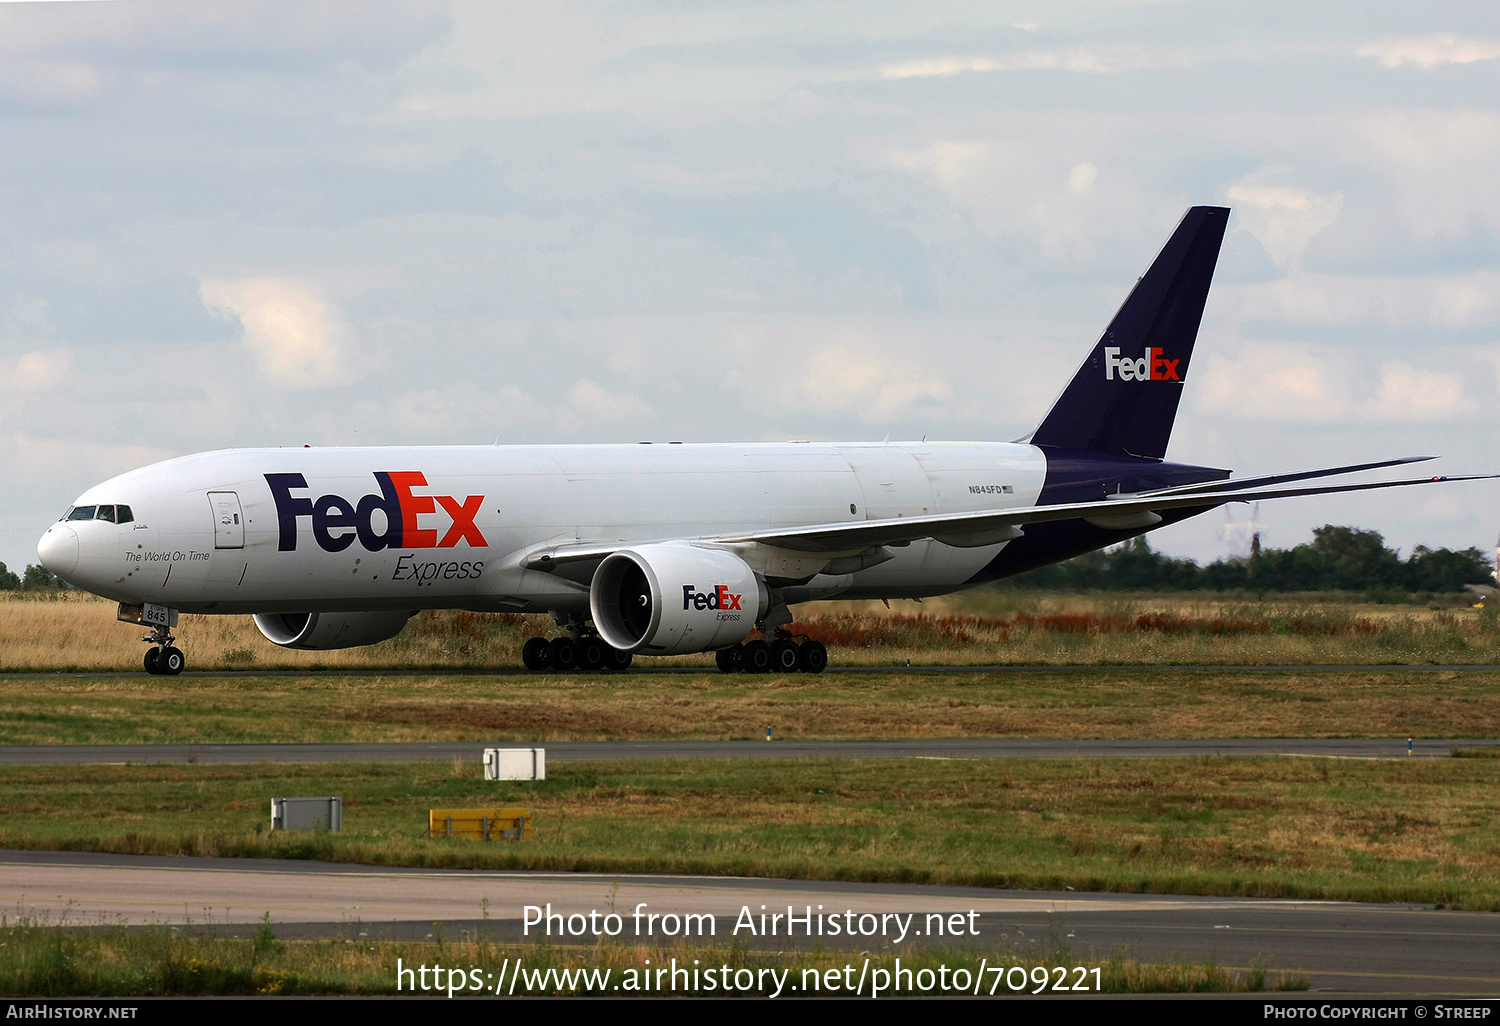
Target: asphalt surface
x,y
595,751
1341,947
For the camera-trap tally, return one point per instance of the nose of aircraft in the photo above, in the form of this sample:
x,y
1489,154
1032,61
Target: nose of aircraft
x,y
58,549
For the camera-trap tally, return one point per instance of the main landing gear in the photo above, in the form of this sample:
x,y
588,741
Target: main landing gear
x,y
163,659
780,655
589,653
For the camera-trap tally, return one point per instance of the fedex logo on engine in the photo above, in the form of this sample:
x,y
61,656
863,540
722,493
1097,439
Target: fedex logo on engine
x,y
1151,367
719,598
337,522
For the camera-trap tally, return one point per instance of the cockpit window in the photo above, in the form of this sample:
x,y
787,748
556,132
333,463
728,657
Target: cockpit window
x,y
123,515
67,514
82,513
105,513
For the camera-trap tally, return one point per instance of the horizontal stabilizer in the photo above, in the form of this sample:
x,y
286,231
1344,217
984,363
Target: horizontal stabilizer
x,y
1266,482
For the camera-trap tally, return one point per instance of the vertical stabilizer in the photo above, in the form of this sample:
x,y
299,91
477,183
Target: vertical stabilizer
x,y
1124,398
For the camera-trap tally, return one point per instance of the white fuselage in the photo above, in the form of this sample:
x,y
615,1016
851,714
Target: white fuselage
x,y
207,533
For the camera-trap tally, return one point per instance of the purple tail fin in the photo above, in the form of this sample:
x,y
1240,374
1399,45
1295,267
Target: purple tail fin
x,y
1124,398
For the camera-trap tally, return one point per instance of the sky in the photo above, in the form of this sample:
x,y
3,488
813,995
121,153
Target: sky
x,y
258,224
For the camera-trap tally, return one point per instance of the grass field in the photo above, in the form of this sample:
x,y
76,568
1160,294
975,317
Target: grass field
x,y
39,959
1118,702
1380,831
80,632
1422,831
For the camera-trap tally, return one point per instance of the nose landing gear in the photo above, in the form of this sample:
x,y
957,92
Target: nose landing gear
x,y
164,659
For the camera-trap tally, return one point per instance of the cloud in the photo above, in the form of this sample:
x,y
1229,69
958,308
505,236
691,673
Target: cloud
x,y
1452,302
1408,394
1307,384
37,370
949,163
48,81
594,403
27,320
84,458
1430,51
1082,179
427,411
850,380
1272,382
1283,218
1490,355
463,410
1066,183
1087,60
1439,168
938,67
248,33
298,339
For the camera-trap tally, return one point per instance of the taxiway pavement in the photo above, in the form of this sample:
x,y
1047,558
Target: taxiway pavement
x,y
1342,947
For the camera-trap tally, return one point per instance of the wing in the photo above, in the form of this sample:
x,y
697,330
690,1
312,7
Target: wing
x,y
990,527
1124,512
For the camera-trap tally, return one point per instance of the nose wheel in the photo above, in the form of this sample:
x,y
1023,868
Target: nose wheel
x,y
163,659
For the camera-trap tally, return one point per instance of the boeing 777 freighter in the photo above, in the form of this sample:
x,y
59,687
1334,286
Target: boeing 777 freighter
x,y
663,549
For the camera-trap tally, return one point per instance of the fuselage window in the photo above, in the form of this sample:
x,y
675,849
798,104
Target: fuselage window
x,y
105,513
82,513
123,515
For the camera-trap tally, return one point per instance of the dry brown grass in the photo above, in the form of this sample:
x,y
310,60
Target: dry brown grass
x,y
80,632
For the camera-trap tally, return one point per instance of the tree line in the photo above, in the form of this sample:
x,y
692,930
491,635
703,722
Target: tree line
x,y
1338,559
36,578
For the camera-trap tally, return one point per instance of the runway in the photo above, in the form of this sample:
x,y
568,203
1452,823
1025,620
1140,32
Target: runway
x,y
595,751
1343,947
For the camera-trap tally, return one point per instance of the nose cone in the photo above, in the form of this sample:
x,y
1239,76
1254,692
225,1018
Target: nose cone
x,y
58,549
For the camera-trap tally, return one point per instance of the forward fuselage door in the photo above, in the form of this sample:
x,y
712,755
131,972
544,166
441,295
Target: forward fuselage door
x,y
229,520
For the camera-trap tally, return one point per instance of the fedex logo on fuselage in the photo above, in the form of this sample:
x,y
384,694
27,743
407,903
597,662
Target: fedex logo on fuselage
x,y
1151,367
337,522
719,598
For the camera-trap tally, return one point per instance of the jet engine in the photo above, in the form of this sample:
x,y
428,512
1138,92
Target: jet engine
x,y
675,597
320,631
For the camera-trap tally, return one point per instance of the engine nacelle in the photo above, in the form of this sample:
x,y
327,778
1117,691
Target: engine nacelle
x,y
321,631
675,597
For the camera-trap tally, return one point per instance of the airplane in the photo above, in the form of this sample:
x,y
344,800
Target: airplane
x,y
663,549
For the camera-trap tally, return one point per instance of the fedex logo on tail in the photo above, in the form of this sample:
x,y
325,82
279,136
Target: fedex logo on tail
x,y
1151,367
337,522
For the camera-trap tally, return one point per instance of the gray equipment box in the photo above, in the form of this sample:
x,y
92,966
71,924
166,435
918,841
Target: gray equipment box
x,y
325,813
515,764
